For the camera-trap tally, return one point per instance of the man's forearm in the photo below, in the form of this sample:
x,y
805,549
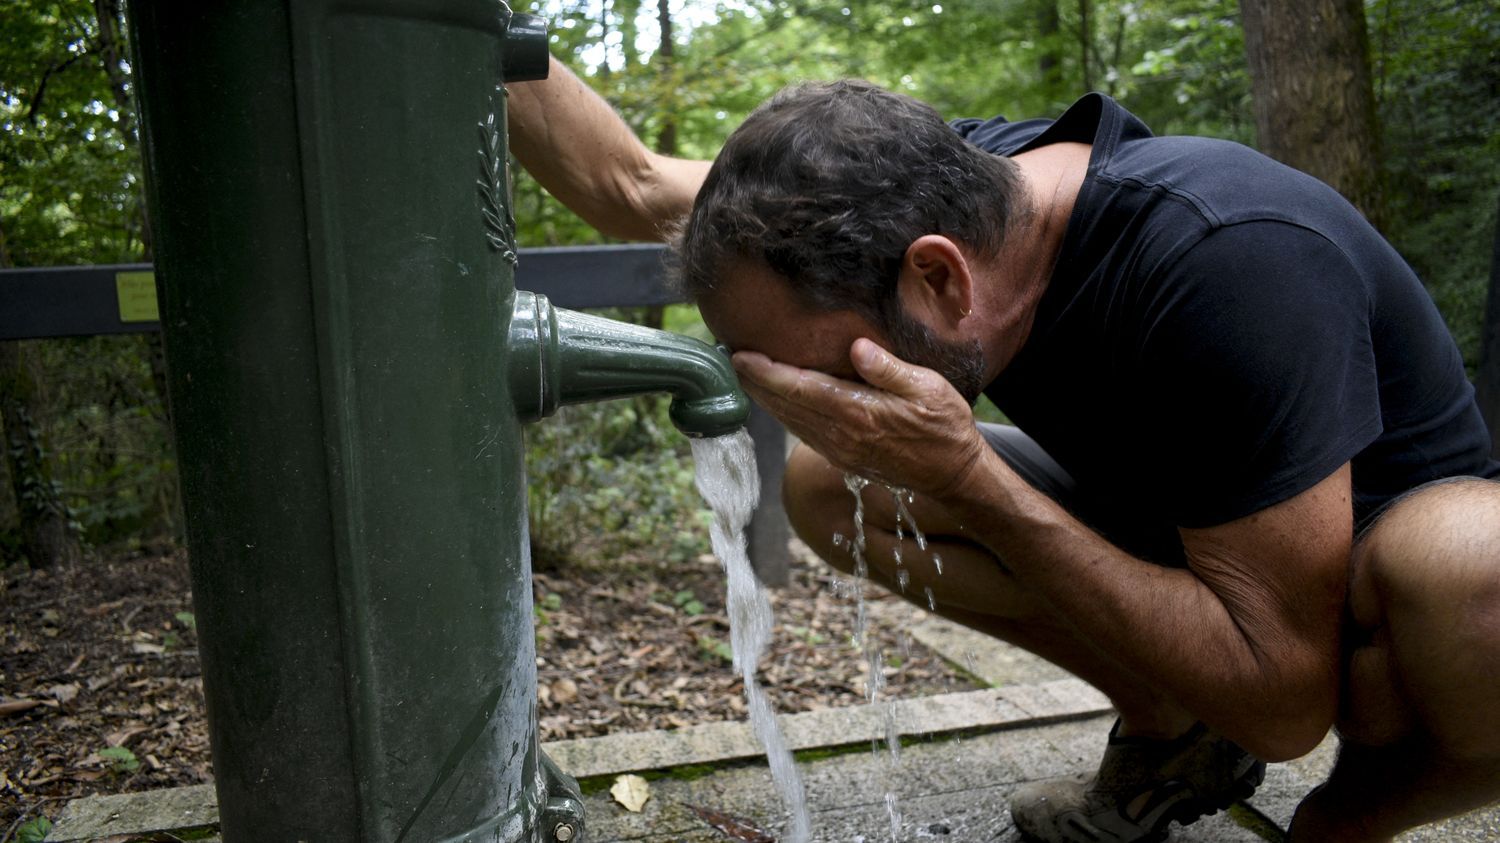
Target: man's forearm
x,y
580,150
1237,672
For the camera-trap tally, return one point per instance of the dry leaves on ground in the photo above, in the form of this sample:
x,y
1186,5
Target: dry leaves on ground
x,y
100,689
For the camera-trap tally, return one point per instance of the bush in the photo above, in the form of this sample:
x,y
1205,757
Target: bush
x,y
609,480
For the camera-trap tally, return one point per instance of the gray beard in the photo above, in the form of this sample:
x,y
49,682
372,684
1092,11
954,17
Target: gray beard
x,y
961,364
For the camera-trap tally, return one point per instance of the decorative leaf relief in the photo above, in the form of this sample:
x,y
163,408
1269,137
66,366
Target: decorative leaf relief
x,y
494,176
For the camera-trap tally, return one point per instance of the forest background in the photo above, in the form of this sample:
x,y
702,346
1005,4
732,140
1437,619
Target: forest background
x,y
1397,101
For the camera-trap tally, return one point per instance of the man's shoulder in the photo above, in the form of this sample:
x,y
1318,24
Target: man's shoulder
x,y
1227,183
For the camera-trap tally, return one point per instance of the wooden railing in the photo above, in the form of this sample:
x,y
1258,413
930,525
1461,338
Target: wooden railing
x,y
73,301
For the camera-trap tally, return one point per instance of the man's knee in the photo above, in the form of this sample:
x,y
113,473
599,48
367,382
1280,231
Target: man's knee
x,y
1425,589
1440,544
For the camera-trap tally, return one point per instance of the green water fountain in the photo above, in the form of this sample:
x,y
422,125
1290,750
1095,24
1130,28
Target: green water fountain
x,y
349,370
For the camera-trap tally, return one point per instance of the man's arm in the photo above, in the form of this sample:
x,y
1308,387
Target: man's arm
x,y
580,150
1246,640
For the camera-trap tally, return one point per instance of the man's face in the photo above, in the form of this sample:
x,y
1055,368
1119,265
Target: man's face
x,y
753,309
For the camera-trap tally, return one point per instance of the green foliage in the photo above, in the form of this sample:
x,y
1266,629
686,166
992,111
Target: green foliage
x,y
111,439
170,640
37,493
606,480
808,635
34,830
121,760
71,193
1436,80
688,603
712,648
542,610
67,140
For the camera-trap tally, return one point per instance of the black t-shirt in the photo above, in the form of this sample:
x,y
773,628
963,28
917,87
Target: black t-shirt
x,y
1222,332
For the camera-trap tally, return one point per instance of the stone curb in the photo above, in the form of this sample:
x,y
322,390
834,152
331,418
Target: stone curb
x,y
1014,706
993,708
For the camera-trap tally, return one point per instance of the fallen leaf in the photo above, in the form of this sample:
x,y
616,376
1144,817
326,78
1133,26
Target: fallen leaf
x,y
632,791
63,693
564,691
102,608
119,738
17,706
735,828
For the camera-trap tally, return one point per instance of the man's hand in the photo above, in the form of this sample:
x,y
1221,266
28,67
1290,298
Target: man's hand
x,y
905,425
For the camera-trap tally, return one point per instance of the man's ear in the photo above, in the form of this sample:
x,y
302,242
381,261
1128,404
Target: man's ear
x,y
936,284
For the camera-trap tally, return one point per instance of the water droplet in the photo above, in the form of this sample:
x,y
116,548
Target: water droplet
x,y
895,815
931,600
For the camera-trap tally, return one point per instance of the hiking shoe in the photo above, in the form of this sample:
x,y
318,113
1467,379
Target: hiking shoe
x,y
1142,785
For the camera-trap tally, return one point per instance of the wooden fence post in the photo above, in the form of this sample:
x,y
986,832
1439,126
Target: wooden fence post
x,y
770,533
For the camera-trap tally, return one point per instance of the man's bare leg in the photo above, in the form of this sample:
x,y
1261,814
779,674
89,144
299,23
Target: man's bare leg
x,y
974,588
1419,720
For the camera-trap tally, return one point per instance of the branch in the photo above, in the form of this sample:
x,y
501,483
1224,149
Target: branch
x,y
41,88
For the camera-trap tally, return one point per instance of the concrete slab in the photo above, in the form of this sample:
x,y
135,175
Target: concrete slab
x,y
1002,665
154,812
1286,785
950,791
940,714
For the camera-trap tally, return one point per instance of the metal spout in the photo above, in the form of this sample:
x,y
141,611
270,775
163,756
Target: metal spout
x,y
562,357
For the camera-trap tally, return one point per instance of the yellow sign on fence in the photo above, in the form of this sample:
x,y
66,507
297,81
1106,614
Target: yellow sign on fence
x,y
136,292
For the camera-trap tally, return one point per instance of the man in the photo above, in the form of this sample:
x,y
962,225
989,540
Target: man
x,y
1248,501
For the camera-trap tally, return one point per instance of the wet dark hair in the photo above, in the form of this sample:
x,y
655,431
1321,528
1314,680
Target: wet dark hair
x,y
827,184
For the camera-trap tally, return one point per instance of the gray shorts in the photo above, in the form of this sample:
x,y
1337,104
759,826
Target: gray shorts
x,y
1119,521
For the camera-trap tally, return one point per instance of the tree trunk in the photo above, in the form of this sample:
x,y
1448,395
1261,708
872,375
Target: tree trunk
x,y
1314,103
47,536
1488,382
628,11
666,138
110,17
1085,41
1049,61
10,510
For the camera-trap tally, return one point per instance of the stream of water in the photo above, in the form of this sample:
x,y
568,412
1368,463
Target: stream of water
x,y
728,482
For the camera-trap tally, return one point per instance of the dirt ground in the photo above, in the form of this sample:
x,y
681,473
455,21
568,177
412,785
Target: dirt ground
x,y
100,689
